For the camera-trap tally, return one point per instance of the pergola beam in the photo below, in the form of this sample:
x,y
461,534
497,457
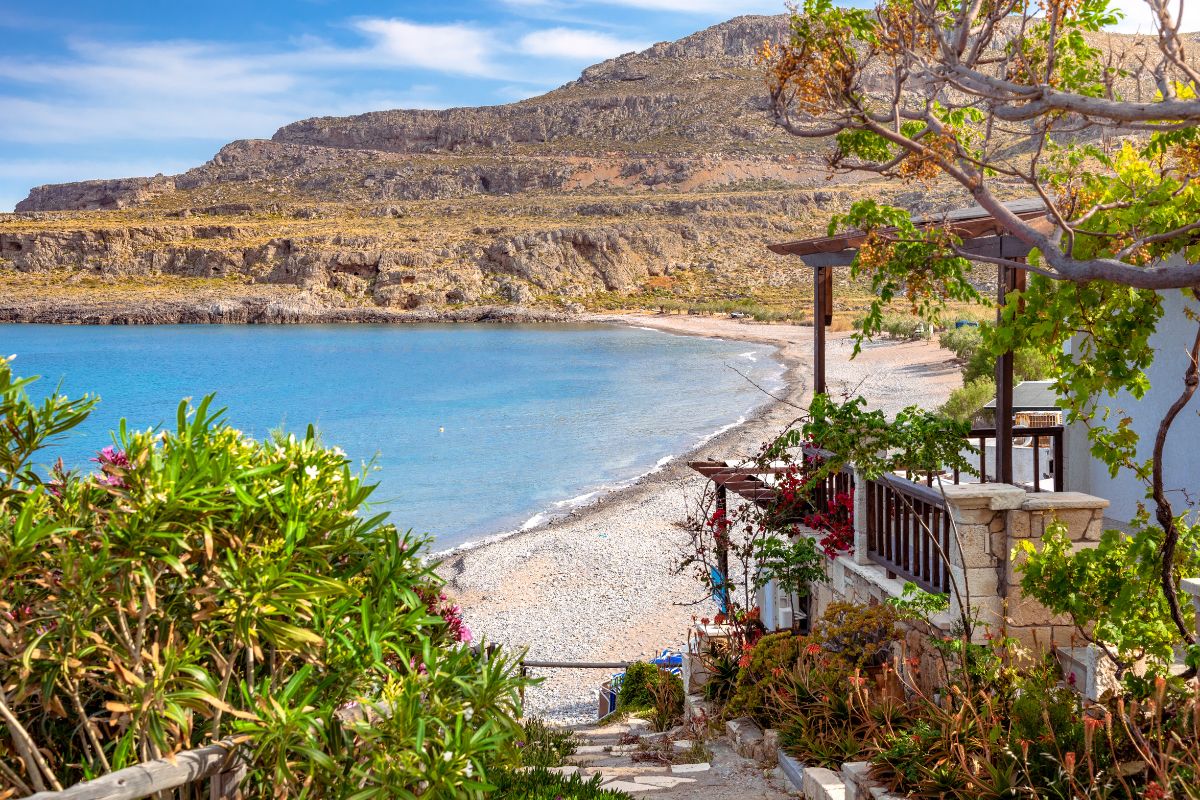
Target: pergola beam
x,y
981,235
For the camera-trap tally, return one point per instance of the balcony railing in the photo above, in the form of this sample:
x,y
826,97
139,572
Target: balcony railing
x,y
908,531
908,528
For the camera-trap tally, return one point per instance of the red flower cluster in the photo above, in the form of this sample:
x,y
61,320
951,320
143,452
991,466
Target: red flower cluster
x,y
838,523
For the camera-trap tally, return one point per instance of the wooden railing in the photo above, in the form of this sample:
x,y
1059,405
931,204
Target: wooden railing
x,y
908,528
206,773
831,485
908,531
1043,437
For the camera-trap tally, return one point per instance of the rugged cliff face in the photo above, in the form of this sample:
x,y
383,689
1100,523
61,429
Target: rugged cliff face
x,y
655,172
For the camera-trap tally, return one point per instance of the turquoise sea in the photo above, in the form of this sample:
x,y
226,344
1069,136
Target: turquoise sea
x,y
475,429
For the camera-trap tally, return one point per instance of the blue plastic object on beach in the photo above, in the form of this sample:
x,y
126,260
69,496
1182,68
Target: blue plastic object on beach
x,y
718,581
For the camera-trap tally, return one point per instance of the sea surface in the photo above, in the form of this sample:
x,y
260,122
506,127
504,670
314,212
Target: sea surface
x,y
473,430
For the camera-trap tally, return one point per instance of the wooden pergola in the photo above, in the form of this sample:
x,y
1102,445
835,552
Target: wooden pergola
x,y
981,234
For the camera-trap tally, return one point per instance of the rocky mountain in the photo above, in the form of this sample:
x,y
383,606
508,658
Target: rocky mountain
x,y
655,174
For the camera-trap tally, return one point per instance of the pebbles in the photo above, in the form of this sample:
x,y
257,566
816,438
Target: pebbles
x,y
601,585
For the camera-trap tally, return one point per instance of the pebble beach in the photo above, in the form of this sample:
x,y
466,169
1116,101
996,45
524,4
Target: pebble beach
x,y
599,584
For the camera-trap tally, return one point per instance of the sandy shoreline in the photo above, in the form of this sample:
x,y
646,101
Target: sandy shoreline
x,y
598,583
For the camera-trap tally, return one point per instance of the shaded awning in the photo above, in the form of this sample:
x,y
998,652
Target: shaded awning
x,y
1032,396
973,222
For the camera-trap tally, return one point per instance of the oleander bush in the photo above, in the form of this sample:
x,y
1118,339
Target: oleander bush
x,y
199,586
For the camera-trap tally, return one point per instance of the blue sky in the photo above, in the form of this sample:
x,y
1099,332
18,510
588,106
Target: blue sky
x,y
115,89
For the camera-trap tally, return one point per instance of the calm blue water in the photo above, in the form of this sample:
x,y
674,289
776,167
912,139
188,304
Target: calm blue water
x,y
532,415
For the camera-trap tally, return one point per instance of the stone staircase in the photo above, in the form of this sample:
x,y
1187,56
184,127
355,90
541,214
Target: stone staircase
x,y
631,758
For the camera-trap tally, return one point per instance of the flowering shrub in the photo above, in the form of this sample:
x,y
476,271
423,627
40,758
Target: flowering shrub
x,y
837,522
439,605
203,586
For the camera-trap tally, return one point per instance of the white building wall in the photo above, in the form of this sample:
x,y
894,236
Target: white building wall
x,y
1182,456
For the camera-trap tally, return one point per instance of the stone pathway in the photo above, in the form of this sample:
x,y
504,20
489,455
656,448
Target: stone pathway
x,y
610,750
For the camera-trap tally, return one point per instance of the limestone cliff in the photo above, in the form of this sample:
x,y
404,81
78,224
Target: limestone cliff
x,y
654,175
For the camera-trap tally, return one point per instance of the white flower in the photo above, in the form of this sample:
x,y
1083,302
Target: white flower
x,y
447,756
470,769
339,452
468,712
312,472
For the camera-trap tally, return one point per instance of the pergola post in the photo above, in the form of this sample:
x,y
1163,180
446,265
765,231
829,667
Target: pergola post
x,y
1006,282
819,312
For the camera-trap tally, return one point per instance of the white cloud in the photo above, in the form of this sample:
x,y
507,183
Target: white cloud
x,y
1140,19
186,90
573,43
454,48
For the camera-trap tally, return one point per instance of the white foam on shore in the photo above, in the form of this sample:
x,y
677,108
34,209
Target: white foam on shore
x,y
533,522
561,508
723,429
753,356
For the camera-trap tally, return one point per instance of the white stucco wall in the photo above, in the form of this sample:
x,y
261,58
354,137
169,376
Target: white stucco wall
x,y
1171,343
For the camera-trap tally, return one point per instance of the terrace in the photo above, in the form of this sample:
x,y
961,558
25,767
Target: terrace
x,y
948,530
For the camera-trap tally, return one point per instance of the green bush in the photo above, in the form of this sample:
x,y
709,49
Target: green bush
x,y
540,784
857,636
965,402
1029,364
648,687
541,745
203,585
905,327
773,654
964,342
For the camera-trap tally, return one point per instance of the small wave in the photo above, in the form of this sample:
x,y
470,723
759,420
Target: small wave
x,y
753,356
533,521
723,429
580,500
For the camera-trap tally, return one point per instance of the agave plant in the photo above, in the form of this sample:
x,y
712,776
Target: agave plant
x,y
203,586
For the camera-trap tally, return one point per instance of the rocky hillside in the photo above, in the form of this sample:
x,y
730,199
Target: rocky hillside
x,y
654,175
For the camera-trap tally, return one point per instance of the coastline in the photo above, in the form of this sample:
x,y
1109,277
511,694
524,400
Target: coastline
x,y
597,583
791,377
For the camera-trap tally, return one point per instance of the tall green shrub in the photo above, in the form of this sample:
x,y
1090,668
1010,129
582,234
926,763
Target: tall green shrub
x,y
201,586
